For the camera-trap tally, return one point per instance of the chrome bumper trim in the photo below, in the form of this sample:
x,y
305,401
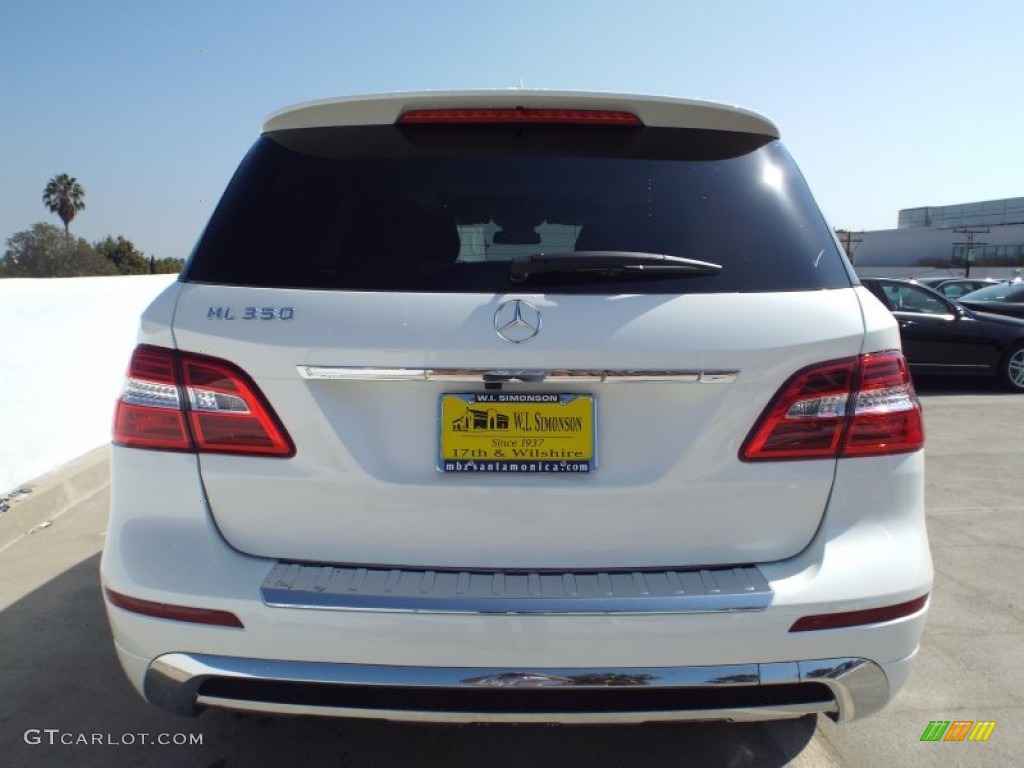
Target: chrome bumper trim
x,y
737,715
501,375
857,687
420,590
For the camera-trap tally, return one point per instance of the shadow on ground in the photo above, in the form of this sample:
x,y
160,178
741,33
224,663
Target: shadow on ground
x,y
58,671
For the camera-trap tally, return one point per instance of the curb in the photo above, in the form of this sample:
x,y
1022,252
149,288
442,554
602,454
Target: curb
x,y
54,493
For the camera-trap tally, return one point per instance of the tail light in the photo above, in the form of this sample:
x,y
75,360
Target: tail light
x,y
858,406
177,401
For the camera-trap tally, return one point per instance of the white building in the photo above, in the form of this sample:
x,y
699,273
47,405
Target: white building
x,y
937,240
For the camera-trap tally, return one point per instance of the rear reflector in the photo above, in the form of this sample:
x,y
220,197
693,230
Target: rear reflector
x,y
857,618
177,401
519,115
857,406
174,612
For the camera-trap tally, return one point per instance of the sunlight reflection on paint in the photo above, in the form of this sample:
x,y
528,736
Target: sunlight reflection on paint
x,y
772,176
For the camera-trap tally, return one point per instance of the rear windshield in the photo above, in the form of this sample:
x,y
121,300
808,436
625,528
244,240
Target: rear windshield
x,y
385,209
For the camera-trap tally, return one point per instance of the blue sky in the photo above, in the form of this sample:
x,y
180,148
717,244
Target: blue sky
x,y
885,105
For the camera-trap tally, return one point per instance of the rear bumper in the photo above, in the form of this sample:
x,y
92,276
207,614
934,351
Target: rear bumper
x,y
842,688
736,661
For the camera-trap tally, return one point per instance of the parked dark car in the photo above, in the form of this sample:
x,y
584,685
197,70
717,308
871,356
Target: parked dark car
x,y
1003,299
942,337
955,287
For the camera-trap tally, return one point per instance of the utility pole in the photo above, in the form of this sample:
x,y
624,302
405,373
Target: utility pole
x,y
848,241
969,252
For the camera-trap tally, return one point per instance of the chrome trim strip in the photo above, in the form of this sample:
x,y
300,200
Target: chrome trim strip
x,y
859,686
736,715
424,590
526,375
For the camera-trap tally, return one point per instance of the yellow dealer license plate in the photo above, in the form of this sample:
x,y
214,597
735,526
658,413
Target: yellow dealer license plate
x,y
515,432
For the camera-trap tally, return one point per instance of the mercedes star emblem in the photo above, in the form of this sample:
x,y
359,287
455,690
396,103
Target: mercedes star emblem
x,y
517,321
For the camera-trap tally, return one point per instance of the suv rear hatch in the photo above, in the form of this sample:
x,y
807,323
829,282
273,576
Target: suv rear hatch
x,y
359,273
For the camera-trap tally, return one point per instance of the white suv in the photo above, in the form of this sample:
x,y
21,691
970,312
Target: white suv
x,y
518,406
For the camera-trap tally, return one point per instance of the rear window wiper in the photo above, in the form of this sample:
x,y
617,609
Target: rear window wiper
x,y
610,263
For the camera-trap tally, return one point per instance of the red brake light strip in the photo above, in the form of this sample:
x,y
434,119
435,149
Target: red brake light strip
x,y
174,612
519,115
856,618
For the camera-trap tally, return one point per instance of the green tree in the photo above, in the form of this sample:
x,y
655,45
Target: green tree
x,y
123,255
43,251
63,196
166,266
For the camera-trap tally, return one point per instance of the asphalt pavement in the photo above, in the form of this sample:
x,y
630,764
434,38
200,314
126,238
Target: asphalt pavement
x,y
64,700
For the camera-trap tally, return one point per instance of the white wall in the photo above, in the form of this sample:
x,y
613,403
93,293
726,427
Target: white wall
x,y
64,347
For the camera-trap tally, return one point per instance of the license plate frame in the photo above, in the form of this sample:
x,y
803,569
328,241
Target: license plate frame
x,y
517,433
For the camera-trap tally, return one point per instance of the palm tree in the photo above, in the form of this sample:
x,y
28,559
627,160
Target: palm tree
x,y
63,196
